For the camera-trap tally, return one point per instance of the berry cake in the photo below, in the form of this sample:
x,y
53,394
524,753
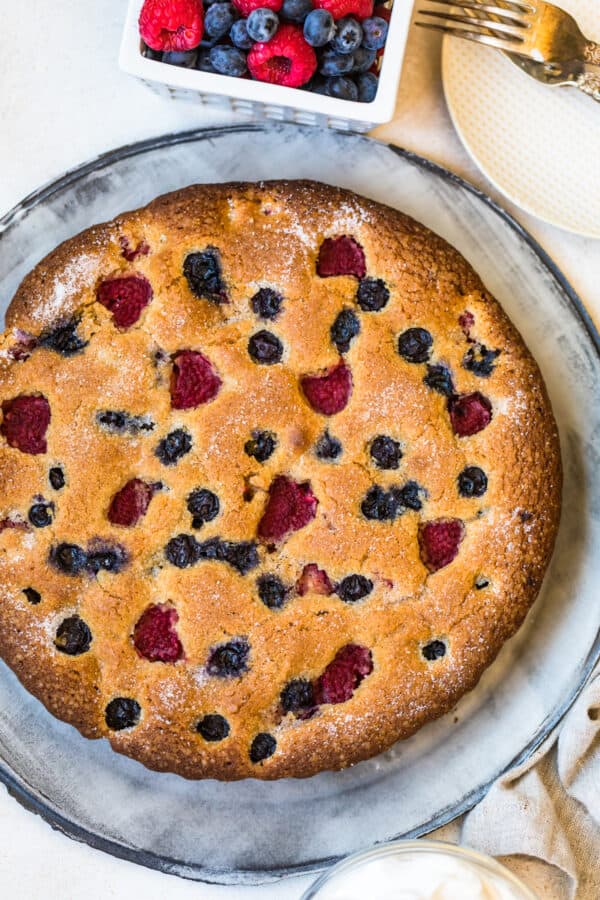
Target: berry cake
x,y
279,478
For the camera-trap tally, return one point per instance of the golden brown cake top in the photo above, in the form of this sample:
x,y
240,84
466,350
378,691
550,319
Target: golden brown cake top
x,y
279,479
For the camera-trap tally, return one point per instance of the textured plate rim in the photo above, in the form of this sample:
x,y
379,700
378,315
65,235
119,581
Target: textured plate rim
x,y
24,793
511,196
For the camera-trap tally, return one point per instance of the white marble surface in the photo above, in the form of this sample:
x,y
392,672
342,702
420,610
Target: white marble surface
x,y
62,101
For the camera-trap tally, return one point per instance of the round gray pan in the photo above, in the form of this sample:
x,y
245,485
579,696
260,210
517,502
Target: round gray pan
x,y
249,832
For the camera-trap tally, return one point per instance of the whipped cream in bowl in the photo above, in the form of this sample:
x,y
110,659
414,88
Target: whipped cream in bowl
x,y
418,870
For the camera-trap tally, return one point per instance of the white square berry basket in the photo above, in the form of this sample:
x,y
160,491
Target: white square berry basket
x,y
259,100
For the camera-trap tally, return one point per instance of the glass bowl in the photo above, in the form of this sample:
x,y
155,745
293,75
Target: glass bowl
x,y
330,885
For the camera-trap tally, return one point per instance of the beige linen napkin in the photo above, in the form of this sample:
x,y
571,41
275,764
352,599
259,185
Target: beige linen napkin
x,y
542,819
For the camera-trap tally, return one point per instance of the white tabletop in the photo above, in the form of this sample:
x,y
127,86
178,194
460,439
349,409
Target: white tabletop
x,y
62,101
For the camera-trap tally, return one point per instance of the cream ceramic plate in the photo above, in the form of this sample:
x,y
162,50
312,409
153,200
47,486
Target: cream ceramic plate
x,y
538,145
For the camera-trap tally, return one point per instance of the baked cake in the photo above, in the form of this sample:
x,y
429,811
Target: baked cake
x,y
279,479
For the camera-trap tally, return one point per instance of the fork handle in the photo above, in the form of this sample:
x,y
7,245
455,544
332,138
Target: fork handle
x,y
589,84
591,53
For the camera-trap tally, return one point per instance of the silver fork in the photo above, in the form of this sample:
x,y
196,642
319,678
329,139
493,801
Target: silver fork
x,y
540,38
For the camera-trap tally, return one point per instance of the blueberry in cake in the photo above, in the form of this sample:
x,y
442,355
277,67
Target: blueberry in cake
x,y
279,478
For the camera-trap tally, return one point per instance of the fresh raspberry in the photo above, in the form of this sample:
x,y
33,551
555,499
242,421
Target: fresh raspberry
x,y
290,506
469,413
125,298
155,637
130,503
130,253
23,345
172,24
341,256
328,394
194,380
343,675
286,59
248,6
26,419
314,581
12,523
466,322
439,541
360,9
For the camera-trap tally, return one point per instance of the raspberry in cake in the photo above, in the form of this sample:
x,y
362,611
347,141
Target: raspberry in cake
x,y
279,479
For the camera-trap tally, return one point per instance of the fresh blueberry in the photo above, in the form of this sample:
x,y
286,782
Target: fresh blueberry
x,y
434,650
346,326
213,727
342,88
263,746
380,505
317,85
472,482
202,270
63,338
182,551
297,694
261,445
212,549
265,348
241,555
186,59
119,422
348,36
56,477
230,659
414,345
271,590
367,84
40,514
228,61
203,62
172,447
319,28
328,447
34,597
69,558
333,63
266,303
386,453
149,53
353,588
439,379
73,636
410,495
375,31
363,59
203,505
239,36
296,10
122,712
372,294
262,24
480,361
218,19
112,420
111,558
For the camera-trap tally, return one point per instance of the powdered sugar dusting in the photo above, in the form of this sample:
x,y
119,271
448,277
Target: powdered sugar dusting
x,y
74,278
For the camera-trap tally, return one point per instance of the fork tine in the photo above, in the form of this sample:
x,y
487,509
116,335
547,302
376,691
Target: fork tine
x,y
527,6
478,38
511,15
509,32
